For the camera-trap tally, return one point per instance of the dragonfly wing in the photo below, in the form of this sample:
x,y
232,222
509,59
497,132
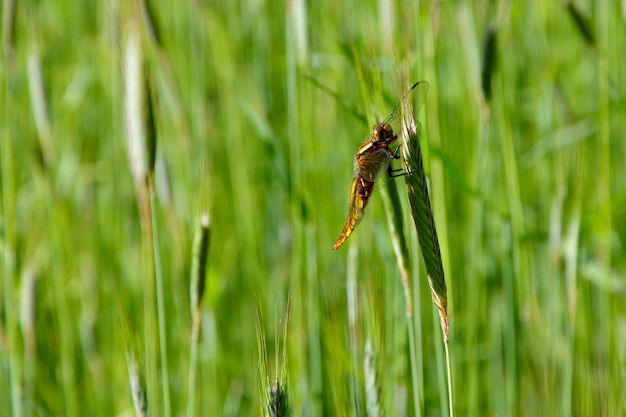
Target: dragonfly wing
x,y
413,99
370,165
359,196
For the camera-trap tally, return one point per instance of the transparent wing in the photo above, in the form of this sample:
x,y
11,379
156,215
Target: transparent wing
x,y
417,95
371,165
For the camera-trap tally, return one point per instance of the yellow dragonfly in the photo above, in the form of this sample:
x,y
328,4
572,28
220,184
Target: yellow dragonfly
x,y
373,158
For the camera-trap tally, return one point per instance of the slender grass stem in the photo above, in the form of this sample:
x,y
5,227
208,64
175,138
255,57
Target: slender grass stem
x,y
415,375
165,379
449,374
64,321
193,365
57,225
391,201
352,300
149,300
8,248
518,291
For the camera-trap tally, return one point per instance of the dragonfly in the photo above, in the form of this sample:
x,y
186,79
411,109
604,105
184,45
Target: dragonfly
x,y
373,159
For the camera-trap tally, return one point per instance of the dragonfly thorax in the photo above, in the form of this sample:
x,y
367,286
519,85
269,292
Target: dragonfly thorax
x,y
382,134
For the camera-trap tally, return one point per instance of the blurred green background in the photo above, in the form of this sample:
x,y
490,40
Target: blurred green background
x,y
523,138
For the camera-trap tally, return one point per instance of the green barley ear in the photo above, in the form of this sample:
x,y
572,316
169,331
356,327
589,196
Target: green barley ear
x,y
582,23
137,385
149,99
136,378
490,59
278,405
422,214
200,252
151,24
372,381
274,395
261,343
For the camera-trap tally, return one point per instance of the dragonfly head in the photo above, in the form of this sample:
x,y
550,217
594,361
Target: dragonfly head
x,y
383,134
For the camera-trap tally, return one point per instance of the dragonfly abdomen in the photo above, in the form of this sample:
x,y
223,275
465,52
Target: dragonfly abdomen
x,y
359,196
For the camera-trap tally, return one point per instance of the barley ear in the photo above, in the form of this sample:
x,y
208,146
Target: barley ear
x,y
278,405
136,377
200,253
137,385
419,201
372,381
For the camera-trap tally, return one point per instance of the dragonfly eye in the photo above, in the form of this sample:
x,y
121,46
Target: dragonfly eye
x,y
379,132
384,132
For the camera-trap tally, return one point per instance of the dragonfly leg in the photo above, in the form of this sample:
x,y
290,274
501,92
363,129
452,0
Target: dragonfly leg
x,y
402,174
395,154
393,173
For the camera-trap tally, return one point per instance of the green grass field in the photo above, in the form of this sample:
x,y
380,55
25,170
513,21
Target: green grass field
x,y
250,112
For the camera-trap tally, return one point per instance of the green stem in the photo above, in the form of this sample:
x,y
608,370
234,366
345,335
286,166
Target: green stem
x,y
415,376
8,255
193,364
449,368
160,309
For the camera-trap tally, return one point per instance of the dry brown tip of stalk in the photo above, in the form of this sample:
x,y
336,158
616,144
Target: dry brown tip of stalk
x,y
442,305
